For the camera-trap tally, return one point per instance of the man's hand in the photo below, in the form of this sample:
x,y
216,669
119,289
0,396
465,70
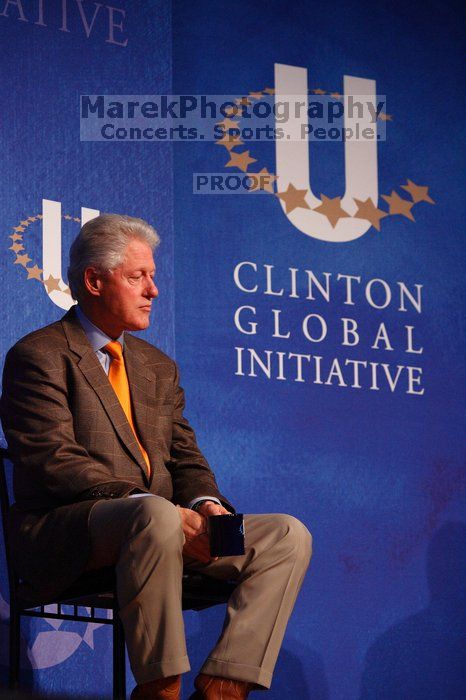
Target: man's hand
x,y
210,508
195,531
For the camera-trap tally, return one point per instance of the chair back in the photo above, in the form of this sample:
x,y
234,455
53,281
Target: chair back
x,y
5,504
5,499
90,583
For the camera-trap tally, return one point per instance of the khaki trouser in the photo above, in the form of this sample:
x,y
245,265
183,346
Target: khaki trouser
x,y
143,539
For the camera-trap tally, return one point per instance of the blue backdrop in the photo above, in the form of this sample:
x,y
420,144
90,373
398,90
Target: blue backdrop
x,y
376,472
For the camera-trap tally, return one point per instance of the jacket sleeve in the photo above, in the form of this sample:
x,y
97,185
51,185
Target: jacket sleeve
x,y
39,430
191,475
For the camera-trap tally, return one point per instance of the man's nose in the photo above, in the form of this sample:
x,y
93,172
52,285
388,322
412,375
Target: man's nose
x,y
152,290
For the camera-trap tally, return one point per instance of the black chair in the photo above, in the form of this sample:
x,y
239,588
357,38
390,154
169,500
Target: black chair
x,y
94,590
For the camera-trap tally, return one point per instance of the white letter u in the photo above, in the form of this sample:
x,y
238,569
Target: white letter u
x,y
292,154
51,248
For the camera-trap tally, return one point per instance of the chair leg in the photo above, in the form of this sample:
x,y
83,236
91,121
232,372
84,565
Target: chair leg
x,y
119,659
15,636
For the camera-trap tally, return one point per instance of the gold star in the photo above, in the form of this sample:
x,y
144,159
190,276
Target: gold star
x,y
34,273
229,141
331,208
335,94
24,223
419,193
318,91
243,101
16,237
52,284
16,247
18,228
22,260
68,216
32,218
398,205
76,218
232,111
263,180
255,95
39,216
228,124
269,91
385,117
240,160
293,198
367,210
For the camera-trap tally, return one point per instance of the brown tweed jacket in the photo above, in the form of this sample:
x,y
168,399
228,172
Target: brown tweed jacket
x,y
72,445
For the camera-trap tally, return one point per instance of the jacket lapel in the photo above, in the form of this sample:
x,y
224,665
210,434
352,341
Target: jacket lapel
x,y
99,382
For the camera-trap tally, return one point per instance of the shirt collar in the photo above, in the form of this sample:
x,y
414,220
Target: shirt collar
x,y
97,338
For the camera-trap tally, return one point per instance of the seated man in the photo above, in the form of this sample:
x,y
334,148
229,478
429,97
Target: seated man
x,y
108,473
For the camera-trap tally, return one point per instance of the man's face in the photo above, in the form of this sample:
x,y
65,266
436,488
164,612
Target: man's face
x,y
126,293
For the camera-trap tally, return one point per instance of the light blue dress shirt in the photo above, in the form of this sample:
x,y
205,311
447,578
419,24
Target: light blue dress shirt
x,y
98,340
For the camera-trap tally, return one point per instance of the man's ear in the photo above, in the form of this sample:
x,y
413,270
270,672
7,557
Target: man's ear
x,y
93,281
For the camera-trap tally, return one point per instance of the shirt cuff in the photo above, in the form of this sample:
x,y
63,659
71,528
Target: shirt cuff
x,y
201,499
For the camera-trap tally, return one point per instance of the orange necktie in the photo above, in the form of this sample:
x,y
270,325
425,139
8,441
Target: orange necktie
x,y
119,381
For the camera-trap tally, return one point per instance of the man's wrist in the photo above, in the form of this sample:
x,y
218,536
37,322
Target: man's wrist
x,y
198,502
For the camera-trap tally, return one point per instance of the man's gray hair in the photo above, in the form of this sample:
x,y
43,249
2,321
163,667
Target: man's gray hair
x,y
101,244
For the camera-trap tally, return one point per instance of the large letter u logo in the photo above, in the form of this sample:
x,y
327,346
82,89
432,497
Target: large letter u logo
x,y
292,155
51,248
